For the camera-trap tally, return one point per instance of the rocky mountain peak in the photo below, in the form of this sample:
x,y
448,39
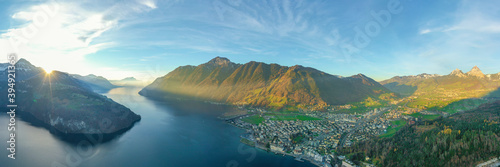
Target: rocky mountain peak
x,y
22,60
27,69
361,75
425,75
219,61
296,67
476,72
363,78
457,73
24,63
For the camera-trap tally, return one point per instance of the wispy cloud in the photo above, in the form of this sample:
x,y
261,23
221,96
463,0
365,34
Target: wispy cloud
x,y
277,31
425,31
66,31
462,38
148,3
475,16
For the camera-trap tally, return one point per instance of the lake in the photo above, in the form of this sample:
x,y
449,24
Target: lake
x,y
169,134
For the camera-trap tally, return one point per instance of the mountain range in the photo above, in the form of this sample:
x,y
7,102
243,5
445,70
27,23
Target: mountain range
x,y
264,85
63,103
97,83
432,90
129,81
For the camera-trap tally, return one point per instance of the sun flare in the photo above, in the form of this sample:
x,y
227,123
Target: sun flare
x,y
48,71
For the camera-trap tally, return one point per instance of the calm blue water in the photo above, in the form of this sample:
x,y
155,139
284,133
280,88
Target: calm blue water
x,y
169,134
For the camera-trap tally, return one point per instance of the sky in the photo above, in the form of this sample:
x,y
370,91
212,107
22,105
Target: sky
x,y
149,38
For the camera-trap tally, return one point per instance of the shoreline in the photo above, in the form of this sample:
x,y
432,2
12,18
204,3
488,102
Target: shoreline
x,y
301,158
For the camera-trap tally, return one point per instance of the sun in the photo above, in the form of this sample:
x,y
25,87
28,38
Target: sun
x,y
47,70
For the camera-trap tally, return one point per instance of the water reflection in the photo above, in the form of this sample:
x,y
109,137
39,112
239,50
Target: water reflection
x,y
169,134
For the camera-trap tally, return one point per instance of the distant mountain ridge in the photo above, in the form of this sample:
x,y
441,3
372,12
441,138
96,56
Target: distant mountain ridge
x,y
129,82
264,85
439,90
97,83
474,72
129,79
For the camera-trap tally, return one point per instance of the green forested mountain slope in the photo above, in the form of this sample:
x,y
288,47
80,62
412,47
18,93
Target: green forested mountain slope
x,y
264,85
63,103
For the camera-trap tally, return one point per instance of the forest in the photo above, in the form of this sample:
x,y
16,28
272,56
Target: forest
x,y
464,139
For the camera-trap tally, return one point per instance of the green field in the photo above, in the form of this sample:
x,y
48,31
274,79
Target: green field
x,y
247,142
255,119
463,105
435,103
294,117
391,130
298,138
426,117
365,106
282,113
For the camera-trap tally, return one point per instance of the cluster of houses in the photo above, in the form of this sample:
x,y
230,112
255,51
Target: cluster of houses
x,y
315,140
